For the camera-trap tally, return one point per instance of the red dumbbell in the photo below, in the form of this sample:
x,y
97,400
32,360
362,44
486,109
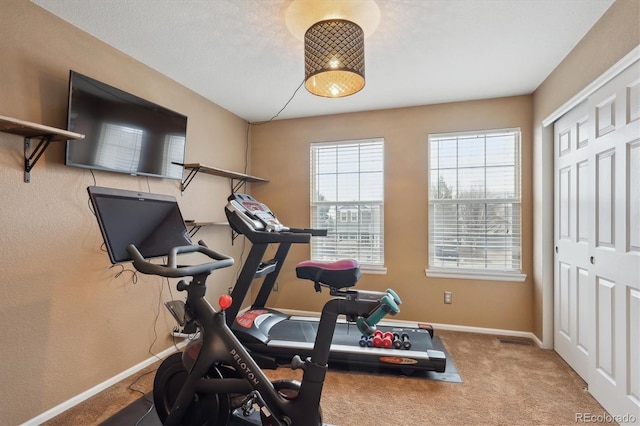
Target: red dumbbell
x,y
377,339
387,340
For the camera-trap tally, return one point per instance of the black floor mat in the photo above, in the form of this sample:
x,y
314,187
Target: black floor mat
x,y
140,412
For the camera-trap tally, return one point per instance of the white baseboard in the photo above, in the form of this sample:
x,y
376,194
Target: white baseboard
x,y
59,409
495,331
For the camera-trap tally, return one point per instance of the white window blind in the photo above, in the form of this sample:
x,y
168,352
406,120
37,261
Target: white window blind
x,y
474,201
347,199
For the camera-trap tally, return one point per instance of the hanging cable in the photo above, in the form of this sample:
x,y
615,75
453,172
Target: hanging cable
x,y
282,109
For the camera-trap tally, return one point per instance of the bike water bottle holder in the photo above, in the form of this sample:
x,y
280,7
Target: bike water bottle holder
x,y
388,305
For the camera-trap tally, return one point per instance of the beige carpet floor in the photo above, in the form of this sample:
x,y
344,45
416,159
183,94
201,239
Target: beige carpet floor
x,y
502,384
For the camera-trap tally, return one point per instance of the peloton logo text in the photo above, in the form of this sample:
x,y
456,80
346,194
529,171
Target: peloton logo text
x,y
243,366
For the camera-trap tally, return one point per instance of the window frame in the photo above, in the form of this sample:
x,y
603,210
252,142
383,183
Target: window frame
x,y
454,271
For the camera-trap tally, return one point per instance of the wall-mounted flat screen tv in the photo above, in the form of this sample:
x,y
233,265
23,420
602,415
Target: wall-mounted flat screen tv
x,y
123,132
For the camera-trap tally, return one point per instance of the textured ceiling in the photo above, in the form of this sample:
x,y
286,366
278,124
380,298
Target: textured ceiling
x,y
240,54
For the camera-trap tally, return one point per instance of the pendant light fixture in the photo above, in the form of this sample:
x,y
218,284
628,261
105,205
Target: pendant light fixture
x,y
334,58
333,32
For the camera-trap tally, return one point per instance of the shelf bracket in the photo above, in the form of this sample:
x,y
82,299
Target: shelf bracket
x,y
192,173
194,230
236,184
30,160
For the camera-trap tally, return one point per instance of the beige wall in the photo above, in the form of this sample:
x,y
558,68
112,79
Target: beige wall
x,y
280,152
68,323
610,39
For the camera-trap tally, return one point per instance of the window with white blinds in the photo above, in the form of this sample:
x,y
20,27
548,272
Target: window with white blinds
x,y
474,202
347,199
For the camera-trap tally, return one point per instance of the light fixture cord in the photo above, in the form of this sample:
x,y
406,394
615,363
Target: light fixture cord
x,y
282,109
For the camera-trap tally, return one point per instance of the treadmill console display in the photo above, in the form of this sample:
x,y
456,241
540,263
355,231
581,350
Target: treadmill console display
x,y
254,213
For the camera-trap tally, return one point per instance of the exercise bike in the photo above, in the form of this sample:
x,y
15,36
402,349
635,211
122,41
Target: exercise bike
x,y
198,385
215,380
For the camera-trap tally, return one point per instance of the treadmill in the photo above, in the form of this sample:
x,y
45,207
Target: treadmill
x,y
273,337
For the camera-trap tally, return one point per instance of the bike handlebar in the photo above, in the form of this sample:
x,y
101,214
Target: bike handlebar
x,y
172,269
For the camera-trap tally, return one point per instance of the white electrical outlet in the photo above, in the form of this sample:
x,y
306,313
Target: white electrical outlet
x,y
447,297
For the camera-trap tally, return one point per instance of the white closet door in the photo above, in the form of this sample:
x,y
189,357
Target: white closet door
x,y
614,248
573,297
597,238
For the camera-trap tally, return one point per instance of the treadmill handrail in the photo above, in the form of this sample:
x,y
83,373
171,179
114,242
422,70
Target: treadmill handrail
x,y
312,231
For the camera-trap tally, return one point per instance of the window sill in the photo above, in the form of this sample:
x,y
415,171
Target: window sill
x,y
474,275
373,270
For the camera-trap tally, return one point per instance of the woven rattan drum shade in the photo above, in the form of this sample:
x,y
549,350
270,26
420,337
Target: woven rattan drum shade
x,y
334,58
